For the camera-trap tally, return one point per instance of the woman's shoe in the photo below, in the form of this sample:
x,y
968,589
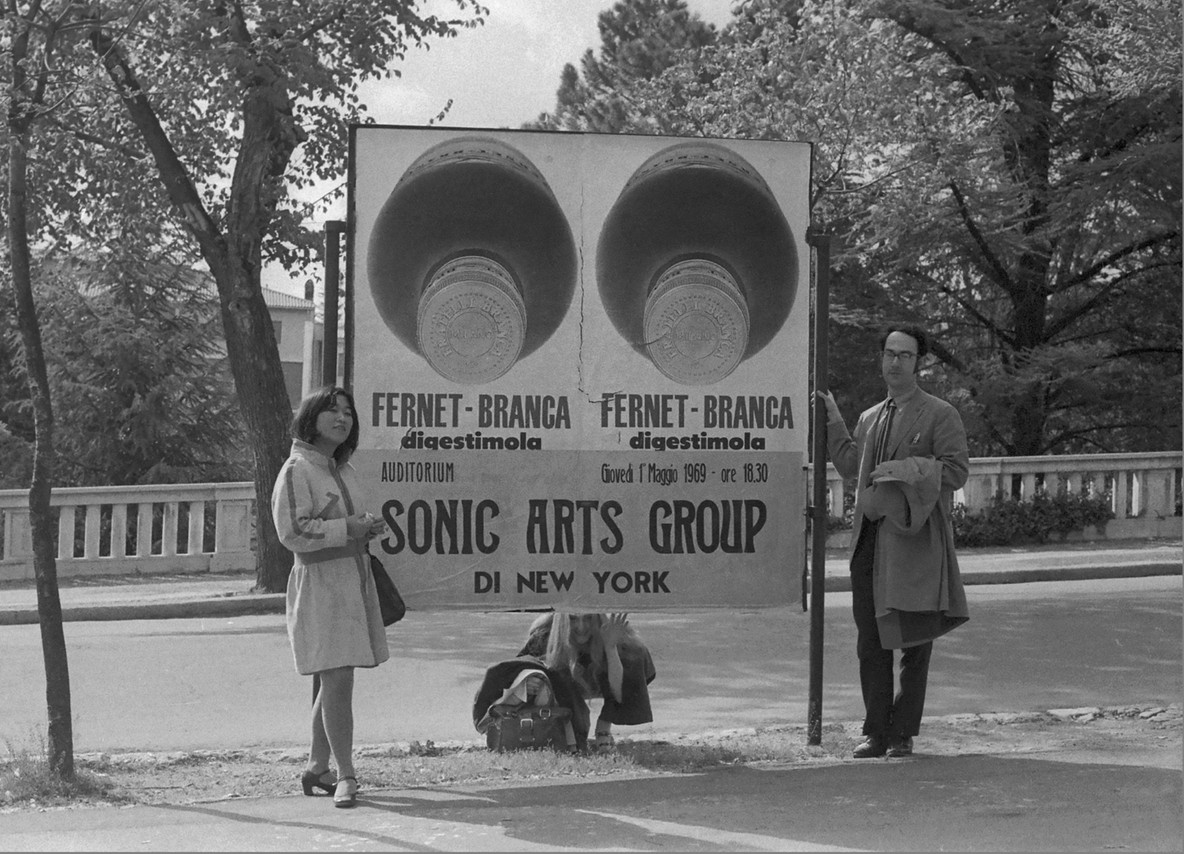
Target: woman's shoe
x,y
347,792
310,780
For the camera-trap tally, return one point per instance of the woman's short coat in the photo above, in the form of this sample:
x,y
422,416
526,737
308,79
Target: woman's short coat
x,y
332,605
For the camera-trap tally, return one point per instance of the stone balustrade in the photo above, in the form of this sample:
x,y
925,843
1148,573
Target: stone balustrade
x,y
118,530
1144,489
208,527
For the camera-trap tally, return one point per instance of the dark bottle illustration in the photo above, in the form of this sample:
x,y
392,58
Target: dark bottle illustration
x,y
471,261
696,264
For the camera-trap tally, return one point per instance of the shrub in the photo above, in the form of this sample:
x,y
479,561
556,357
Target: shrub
x,y
834,523
1009,521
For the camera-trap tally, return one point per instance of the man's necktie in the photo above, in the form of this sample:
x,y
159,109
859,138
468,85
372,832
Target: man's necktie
x,y
884,433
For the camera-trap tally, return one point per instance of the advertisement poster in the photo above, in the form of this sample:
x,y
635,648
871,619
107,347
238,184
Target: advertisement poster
x,y
581,366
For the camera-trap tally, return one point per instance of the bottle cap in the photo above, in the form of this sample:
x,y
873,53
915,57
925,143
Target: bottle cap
x,y
696,322
471,320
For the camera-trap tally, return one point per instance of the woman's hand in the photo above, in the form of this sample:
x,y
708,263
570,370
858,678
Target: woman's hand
x,y
612,630
363,526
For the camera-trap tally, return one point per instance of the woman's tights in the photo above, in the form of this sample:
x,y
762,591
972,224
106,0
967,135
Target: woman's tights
x,y
333,722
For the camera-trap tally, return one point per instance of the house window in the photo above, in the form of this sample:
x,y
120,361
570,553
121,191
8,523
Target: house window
x,y
278,326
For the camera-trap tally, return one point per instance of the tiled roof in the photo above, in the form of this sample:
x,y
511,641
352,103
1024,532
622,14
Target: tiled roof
x,y
279,299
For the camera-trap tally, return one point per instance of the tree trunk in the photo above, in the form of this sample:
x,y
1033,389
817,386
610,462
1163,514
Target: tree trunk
x,y
232,253
1029,157
60,731
270,135
263,400
1031,408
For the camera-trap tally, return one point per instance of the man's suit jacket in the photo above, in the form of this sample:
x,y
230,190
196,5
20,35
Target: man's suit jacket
x,y
913,572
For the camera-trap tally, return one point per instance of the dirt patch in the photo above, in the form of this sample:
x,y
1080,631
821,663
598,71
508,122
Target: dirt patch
x,y
1138,735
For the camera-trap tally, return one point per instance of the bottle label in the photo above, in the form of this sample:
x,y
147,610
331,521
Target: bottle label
x,y
696,323
472,320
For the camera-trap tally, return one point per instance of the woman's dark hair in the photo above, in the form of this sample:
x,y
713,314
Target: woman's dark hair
x,y
304,422
916,332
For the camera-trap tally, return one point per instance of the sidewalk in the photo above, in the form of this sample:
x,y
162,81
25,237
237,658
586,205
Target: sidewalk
x,y
982,801
132,597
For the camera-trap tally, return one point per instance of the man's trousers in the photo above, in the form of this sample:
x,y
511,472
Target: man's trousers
x,y
886,716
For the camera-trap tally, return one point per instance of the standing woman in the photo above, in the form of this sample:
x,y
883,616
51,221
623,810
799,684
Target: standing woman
x,y
334,622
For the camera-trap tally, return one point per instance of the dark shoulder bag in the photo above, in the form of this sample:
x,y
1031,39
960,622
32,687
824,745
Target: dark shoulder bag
x,y
389,599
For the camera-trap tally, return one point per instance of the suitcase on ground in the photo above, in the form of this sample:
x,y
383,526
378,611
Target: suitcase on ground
x,y
522,727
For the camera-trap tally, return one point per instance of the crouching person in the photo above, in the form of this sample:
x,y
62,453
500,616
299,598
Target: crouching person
x,y
605,659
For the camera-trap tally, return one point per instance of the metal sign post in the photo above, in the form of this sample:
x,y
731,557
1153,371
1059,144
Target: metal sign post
x,y
821,244
333,231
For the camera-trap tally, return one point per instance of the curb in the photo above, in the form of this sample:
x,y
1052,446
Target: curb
x,y
222,606
842,584
252,604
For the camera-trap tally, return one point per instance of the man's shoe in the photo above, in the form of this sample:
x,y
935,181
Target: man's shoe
x,y
873,746
898,747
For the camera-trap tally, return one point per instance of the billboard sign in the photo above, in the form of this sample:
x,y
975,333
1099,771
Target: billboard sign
x,y
581,365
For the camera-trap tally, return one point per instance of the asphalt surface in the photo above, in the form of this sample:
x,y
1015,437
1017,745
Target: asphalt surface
x,y
993,799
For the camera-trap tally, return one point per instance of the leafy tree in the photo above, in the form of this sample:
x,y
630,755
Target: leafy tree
x,y
231,107
1058,218
639,39
995,174
140,386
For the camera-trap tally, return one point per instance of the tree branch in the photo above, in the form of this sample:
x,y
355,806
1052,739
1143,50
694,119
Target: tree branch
x,y
1144,351
909,23
316,26
969,307
1091,305
1117,255
130,153
178,184
999,273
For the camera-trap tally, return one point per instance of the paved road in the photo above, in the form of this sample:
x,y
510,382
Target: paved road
x,y
227,682
214,683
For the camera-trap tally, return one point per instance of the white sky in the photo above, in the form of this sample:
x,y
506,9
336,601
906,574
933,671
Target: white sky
x,y
498,76
506,72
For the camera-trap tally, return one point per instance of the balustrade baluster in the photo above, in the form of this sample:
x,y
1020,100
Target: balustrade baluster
x,y
168,535
197,523
144,530
66,533
90,540
118,530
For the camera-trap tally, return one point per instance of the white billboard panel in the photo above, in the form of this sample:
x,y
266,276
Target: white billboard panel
x,y
581,365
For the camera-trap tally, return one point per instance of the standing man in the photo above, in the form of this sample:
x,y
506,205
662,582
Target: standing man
x,y
909,455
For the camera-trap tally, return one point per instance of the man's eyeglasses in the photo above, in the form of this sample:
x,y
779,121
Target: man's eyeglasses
x,y
902,356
